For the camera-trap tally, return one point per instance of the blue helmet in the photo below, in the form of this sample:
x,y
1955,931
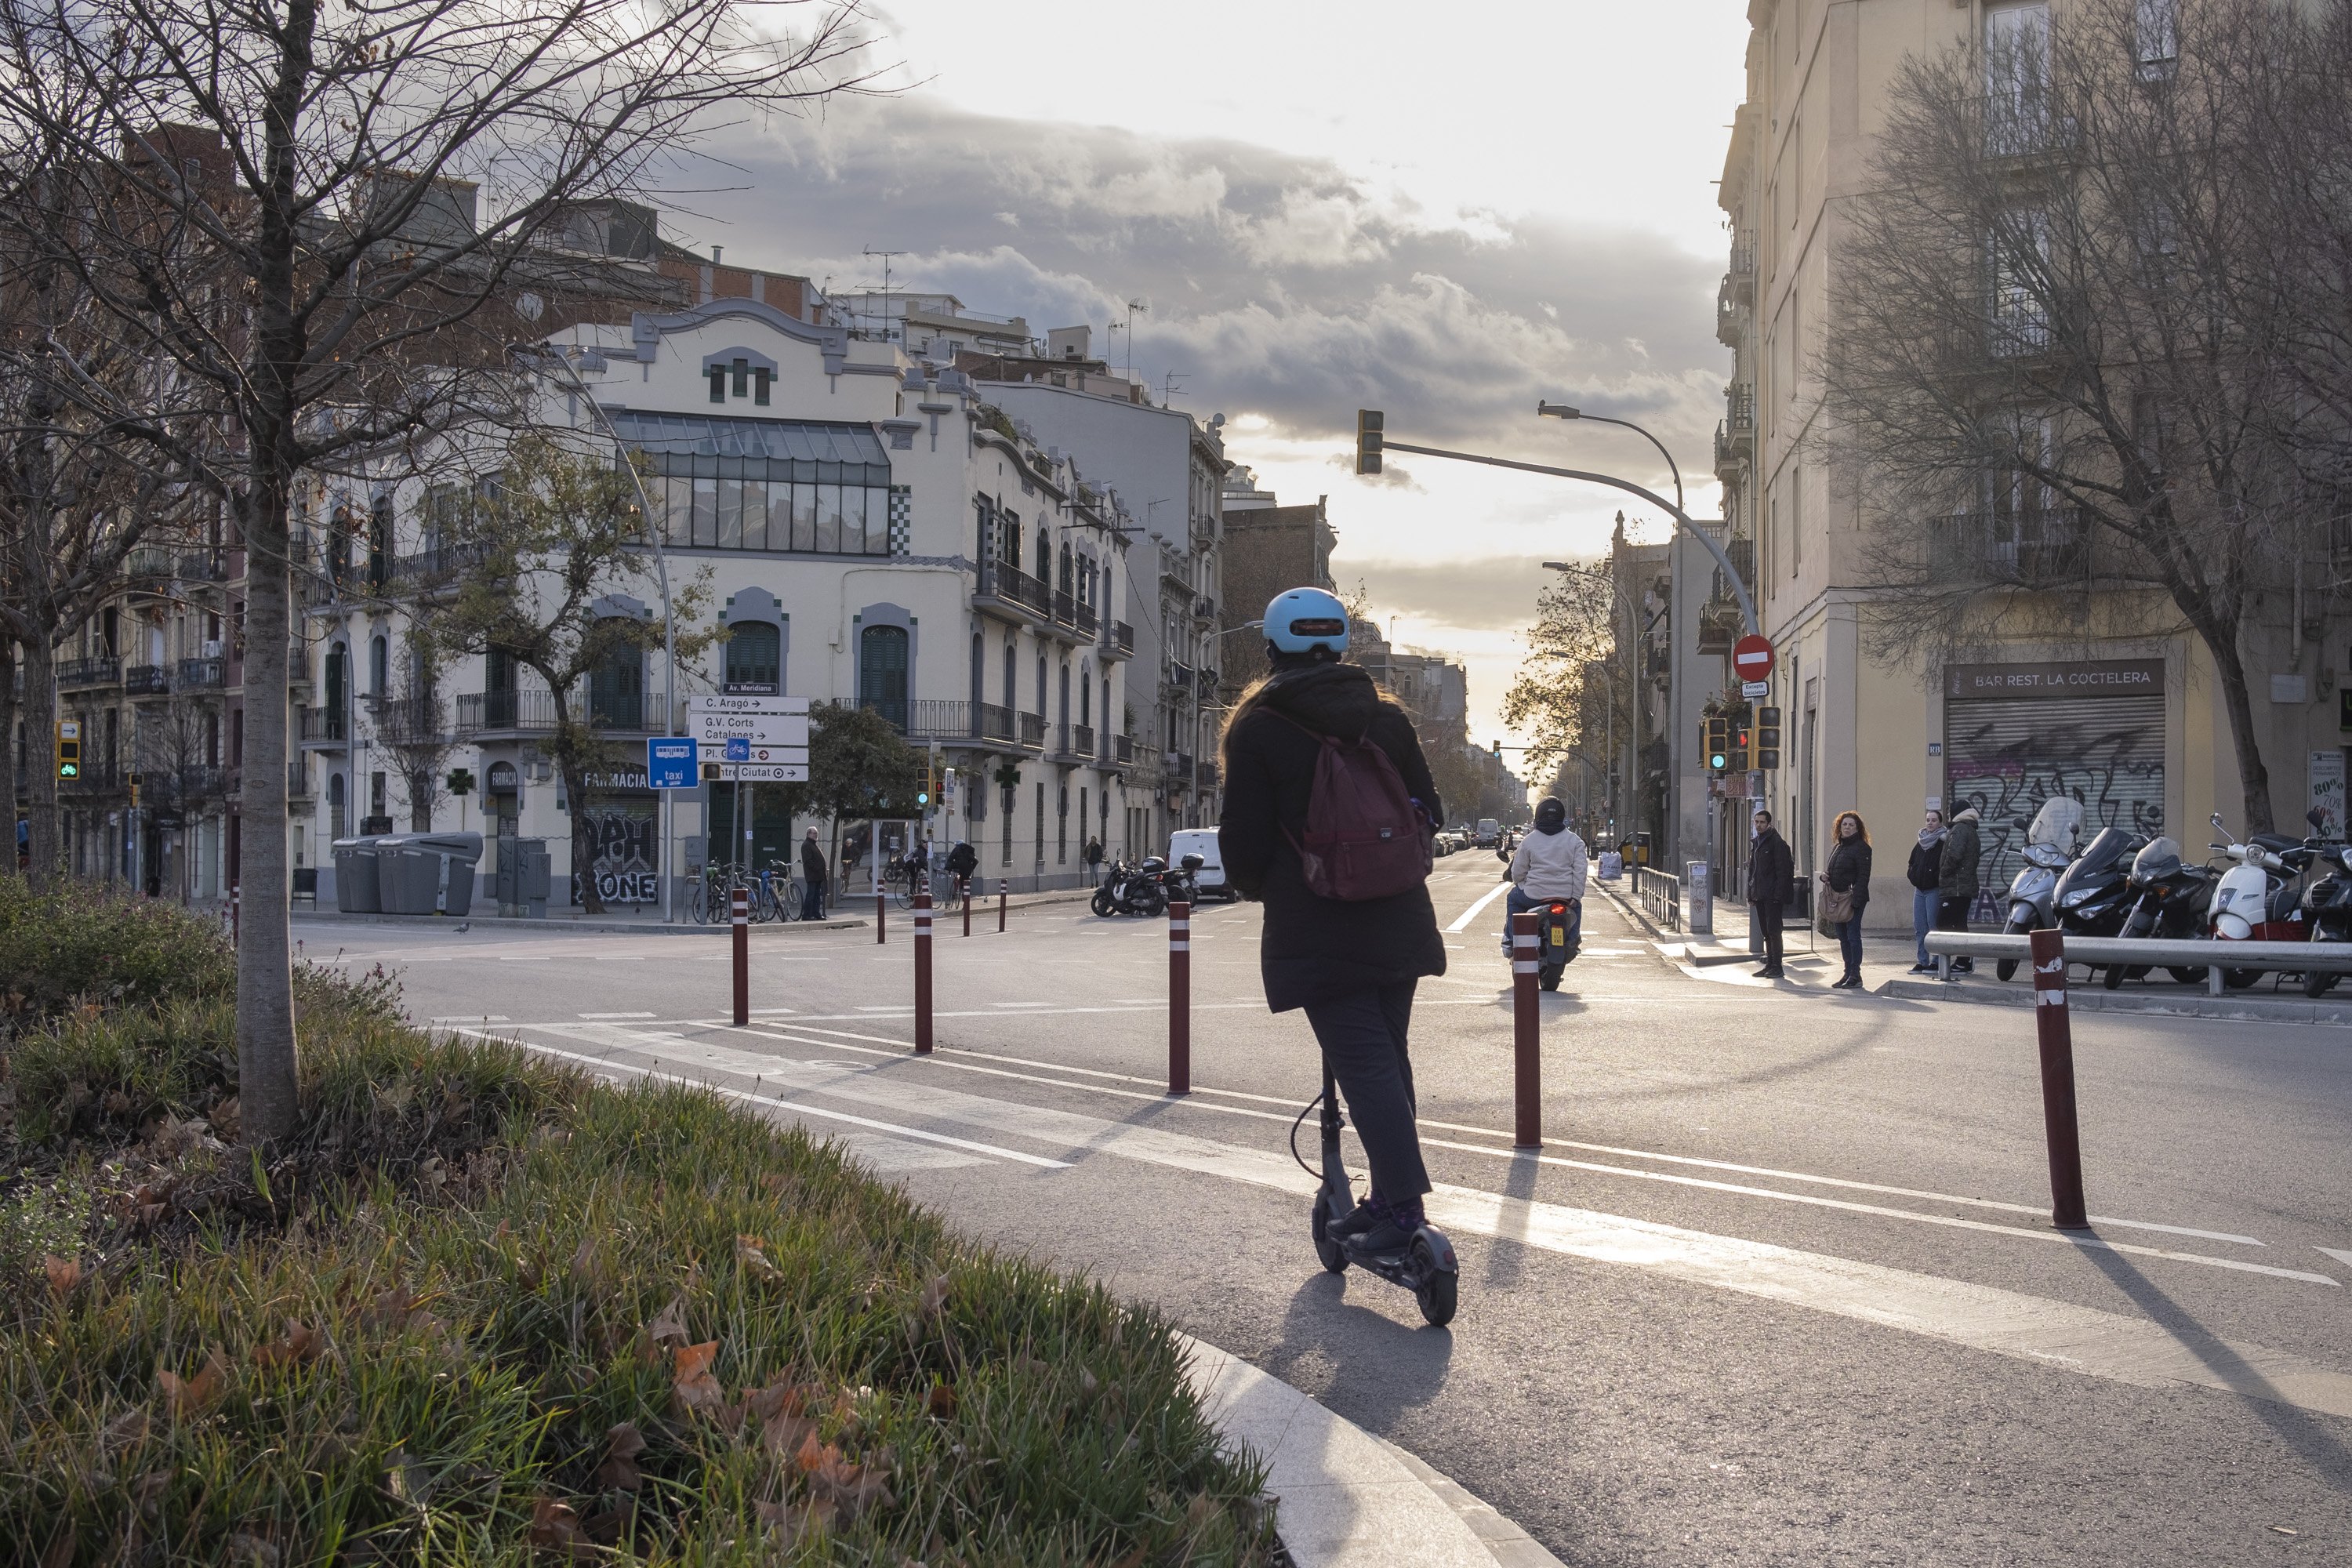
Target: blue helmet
x,y
1305,619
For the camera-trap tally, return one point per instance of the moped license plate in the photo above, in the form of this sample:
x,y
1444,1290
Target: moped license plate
x,y
1559,936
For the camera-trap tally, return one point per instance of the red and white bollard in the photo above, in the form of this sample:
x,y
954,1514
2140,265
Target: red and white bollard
x,y
881,906
2059,1125
1526,1036
235,912
963,896
742,918
923,973
1004,902
1180,997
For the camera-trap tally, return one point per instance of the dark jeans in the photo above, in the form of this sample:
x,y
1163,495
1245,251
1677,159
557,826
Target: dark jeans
x,y
812,899
1850,945
1767,919
1952,915
1363,1040
1516,903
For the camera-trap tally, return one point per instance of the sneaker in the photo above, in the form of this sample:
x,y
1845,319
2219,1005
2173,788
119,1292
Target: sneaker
x,y
1367,1215
1393,1235
1923,969
1771,974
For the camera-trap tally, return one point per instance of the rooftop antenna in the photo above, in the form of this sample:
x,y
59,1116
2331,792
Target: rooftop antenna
x,y
886,255
1169,393
1133,306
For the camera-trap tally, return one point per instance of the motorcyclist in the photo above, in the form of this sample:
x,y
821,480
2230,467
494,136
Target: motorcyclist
x,y
1549,863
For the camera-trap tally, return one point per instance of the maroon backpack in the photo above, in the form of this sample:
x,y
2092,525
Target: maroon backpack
x,y
1365,838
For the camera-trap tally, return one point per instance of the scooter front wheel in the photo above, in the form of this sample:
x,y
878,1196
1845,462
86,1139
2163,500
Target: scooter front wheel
x,y
1440,1289
2008,966
1333,1256
2316,984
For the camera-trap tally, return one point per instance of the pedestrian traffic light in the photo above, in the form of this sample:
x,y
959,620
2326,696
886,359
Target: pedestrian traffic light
x,y
68,748
1743,747
1368,440
1767,738
1718,742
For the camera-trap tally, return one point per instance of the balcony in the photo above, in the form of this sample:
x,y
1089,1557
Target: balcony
x,y
2022,123
1118,640
434,568
150,563
1730,313
202,674
1730,456
204,567
1179,675
1739,416
533,713
1205,775
1719,626
76,673
2040,549
1204,609
1122,750
298,779
1081,741
1010,591
324,729
1740,281
1065,617
147,680
1180,769
412,722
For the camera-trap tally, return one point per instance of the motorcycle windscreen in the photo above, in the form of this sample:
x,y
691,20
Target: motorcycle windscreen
x,y
2159,860
2059,822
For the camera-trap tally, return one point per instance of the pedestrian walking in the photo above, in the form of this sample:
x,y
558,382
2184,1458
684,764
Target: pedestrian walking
x,y
1771,869
1925,871
1956,873
1094,855
814,872
1848,881
1352,964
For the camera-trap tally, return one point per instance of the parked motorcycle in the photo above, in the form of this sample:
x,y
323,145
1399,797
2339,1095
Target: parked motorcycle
x,y
2327,908
2170,901
2260,899
2050,840
1138,889
2093,895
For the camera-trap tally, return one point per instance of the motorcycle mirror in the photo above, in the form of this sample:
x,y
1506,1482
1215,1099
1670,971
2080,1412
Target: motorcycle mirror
x,y
2217,821
2316,817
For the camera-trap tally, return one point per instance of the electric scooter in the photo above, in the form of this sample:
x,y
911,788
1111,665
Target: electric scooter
x,y
1424,1266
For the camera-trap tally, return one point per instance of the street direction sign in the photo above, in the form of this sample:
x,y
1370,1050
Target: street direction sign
x,y
670,762
763,772
1752,689
779,724
1752,657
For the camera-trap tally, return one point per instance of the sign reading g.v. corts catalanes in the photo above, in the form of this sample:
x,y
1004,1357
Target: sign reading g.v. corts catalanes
x,y
2055,677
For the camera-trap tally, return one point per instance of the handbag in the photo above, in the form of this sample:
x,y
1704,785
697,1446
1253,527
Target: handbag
x,y
1837,907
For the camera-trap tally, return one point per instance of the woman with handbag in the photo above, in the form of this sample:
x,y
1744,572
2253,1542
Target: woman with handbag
x,y
1848,883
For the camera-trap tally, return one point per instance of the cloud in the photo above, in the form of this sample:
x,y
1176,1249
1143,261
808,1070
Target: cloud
x,y
1391,476
1496,594
1279,285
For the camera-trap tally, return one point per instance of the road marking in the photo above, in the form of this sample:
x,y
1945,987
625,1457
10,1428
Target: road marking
x,y
478,1018
756,1011
616,1015
1472,912
2337,1253
2010,1323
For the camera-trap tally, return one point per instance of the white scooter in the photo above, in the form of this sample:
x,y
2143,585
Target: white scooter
x,y
2052,840
2258,899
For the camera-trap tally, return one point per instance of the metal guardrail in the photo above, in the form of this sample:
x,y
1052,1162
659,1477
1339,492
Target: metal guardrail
x,y
2213,957
1661,894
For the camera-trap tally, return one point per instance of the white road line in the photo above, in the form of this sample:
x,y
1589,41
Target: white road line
x,y
1462,923
2337,1253
2010,1323
478,1018
757,1011
616,1015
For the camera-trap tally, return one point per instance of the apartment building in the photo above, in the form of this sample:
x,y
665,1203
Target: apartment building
x,y
1269,548
2111,700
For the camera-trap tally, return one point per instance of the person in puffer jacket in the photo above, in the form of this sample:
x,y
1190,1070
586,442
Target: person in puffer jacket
x,y
1550,864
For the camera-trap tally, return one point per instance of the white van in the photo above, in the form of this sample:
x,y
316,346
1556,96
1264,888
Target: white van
x,y
1202,841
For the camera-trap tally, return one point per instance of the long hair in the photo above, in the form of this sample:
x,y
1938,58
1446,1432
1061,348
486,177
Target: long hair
x,y
1861,828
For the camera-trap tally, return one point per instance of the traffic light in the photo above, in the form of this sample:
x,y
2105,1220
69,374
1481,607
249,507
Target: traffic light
x,y
136,781
68,748
1743,747
1718,742
1767,738
1498,751
1368,440
948,788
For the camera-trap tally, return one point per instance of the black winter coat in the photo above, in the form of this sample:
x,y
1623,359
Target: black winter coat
x,y
1927,864
1315,949
813,865
1850,868
1770,868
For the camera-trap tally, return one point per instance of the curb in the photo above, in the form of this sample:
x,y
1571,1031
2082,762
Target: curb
x,y
1348,1499
2094,999
655,927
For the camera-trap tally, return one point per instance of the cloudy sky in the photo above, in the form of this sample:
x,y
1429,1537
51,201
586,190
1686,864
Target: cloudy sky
x,y
1442,211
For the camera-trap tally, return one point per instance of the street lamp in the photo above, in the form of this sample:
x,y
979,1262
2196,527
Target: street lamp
x,y
1563,411
568,356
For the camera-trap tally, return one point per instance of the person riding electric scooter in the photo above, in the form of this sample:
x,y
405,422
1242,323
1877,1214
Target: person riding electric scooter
x,y
1549,864
1329,815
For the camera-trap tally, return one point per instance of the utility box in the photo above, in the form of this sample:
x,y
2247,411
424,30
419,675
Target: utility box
x,y
357,890
523,878
1698,899
427,873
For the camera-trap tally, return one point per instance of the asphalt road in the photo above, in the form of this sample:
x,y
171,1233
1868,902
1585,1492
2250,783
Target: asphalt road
x,y
1780,1288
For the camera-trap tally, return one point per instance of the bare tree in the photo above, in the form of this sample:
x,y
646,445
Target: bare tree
x,y
301,208
2066,372
1571,692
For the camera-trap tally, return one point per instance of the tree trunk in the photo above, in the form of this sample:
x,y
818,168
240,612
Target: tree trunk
x,y
2254,777
9,706
268,1063
44,841
570,761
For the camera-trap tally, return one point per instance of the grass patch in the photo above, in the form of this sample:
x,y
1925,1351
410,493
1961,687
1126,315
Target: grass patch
x,y
482,1309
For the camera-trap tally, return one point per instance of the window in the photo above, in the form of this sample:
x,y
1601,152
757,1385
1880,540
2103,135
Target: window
x,y
1041,688
882,673
2020,307
763,484
1797,509
1011,698
379,668
2155,27
617,689
755,660
2016,65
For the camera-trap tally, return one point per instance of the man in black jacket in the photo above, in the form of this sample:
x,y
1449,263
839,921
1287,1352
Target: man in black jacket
x,y
813,875
1771,867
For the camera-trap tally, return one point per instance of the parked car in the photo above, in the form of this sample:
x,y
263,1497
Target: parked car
x,y
1202,841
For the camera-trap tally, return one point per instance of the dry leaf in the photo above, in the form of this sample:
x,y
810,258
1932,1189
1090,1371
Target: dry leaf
x,y
669,1324
127,1430
62,1546
618,1473
692,1385
554,1527
184,1397
942,1400
301,1346
64,1273
778,1398
784,1433
851,1488
792,1525
748,1254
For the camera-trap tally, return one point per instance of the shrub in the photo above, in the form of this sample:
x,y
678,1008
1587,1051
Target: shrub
x,y
79,944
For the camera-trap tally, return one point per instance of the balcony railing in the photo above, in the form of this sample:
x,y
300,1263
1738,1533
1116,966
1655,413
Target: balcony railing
x,y
90,672
1120,635
2027,548
325,726
410,721
146,680
1180,767
2021,122
1122,750
202,674
1088,622
1179,675
149,563
1002,581
433,567
533,713
298,779
1205,775
1740,411
204,567
1082,740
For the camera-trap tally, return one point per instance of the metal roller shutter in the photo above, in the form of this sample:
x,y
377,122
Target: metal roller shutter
x,y
2005,758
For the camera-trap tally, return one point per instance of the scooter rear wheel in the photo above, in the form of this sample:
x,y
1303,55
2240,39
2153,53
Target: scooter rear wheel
x,y
2185,974
2317,984
1330,1254
2008,966
1440,1291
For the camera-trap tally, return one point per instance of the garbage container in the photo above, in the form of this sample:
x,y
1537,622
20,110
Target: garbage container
x,y
357,890
427,873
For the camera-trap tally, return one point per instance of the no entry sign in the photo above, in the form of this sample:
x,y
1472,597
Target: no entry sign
x,y
1752,656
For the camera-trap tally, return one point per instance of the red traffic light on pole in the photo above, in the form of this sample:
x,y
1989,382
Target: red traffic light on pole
x,y
1368,440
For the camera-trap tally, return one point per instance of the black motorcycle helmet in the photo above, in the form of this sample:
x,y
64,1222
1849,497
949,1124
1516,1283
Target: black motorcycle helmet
x,y
1551,814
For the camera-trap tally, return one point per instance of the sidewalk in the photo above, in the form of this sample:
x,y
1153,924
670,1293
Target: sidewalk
x,y
856,910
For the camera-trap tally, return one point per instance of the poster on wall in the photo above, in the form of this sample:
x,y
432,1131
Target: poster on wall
x,y
2327,790
628,861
